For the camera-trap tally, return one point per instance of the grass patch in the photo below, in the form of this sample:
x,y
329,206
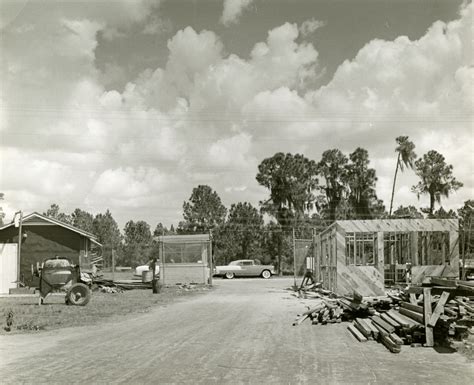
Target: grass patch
x,y
25,315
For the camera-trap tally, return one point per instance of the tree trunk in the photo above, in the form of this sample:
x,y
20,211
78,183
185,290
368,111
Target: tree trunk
x,y
432,203
280,244
393,187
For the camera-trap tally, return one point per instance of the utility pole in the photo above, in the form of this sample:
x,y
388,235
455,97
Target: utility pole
x,y
294,258
20,238
113,265
210,257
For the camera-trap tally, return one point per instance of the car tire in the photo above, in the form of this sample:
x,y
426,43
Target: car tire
x,y
229,275
79,295
266,274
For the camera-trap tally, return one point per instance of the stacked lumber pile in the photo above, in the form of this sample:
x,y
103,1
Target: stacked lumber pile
x,y
358,306
438,311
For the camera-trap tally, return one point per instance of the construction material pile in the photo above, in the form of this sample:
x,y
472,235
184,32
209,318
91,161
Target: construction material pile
x,y
439,311
109,289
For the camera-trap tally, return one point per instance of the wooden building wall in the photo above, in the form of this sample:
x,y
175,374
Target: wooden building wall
x,y
44,242
172,274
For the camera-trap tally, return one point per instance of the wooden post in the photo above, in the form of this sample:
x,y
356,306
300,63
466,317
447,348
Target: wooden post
x,y
163,262
20,238
113,265
414,249
453,251
380,254
427,316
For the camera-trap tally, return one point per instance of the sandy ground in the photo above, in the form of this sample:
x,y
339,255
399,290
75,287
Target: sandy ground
x,y
240,333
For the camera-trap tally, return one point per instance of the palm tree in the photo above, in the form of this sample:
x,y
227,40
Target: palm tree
x,y
406,158
437,178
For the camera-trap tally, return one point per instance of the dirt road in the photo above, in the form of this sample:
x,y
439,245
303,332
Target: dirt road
x,y
240,333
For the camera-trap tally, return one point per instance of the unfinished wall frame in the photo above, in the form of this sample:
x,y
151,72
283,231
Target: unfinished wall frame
x,y
364,255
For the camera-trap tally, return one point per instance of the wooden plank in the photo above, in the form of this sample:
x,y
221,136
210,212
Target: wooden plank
x,y
396,316
380,254
427,316
395,338
356,333
390,321
370,325
414,248
380,322
382,332
436,281
412,314
410,306
414,290
462,303
413,323
439,309
363,328
300,320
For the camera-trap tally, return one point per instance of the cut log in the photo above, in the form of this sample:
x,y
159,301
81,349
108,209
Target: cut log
x,y
439,309
356,333
412,314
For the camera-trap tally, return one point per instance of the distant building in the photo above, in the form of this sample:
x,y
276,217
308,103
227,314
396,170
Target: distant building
x,y
43,237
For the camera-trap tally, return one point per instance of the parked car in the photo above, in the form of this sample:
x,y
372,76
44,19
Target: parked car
x,y
140,269
244,268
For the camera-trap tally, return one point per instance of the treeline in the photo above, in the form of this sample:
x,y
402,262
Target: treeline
x,y
304,196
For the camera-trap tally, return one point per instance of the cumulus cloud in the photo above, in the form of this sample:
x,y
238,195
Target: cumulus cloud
x,y
233,10
209,116
310,26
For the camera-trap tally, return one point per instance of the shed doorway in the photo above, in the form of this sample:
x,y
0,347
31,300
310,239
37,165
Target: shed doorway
x,y
8,267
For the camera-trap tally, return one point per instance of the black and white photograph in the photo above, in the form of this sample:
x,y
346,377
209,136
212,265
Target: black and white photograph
x,y
236,192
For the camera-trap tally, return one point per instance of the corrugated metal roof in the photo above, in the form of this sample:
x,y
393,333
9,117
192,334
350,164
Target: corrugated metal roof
x,y
35,219
189,238
397,225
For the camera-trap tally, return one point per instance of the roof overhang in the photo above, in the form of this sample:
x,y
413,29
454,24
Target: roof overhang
x,y
36,219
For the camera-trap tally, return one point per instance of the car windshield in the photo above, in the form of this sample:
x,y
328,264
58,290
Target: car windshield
x,y
234,263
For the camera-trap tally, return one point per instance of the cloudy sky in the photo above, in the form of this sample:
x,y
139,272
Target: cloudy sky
x,y
129,104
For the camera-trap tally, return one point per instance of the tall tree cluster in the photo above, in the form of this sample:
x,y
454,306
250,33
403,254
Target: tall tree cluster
x,y
303,194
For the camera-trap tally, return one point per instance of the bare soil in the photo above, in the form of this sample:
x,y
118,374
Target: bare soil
x,y
238,333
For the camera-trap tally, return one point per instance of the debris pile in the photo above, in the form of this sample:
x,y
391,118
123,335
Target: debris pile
x,y
441,310
109,289
326,311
